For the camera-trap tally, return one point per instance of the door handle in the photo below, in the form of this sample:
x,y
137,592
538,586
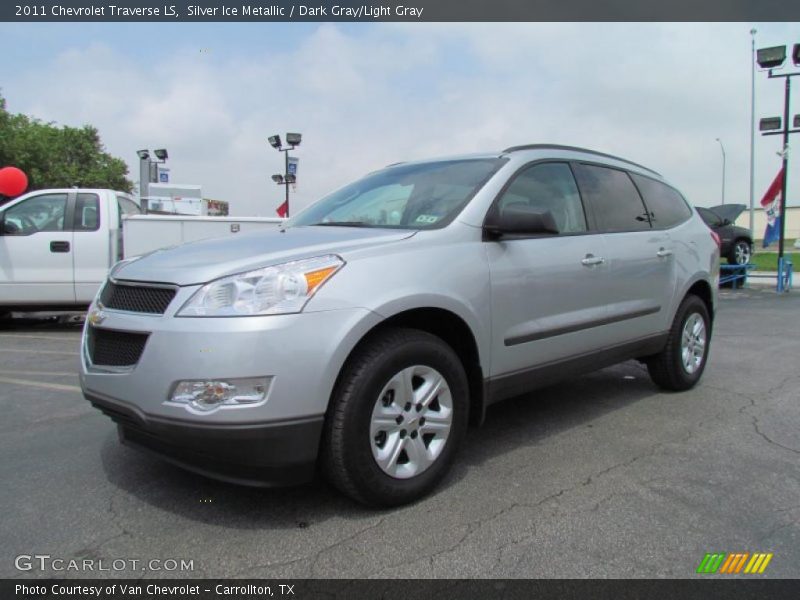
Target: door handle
x,y
59,246
663,253
591,260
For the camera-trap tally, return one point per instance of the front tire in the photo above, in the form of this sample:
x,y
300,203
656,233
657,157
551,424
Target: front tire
x,y
681,363
397,418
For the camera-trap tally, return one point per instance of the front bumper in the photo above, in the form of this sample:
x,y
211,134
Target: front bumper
x,y
257,454
274,441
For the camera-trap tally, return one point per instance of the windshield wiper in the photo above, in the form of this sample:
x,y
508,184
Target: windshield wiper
x,y
342,223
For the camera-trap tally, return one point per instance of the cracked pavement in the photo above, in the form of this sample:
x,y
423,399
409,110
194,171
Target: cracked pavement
x,y
602,476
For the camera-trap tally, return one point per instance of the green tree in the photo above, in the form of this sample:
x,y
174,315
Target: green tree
x,y
53,156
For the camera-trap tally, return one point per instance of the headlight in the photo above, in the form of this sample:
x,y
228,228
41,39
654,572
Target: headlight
x,y
279,289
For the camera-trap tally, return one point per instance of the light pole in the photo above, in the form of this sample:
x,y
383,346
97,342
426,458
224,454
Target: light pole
x,y
771,59
721,147
292,140
753,32
148,172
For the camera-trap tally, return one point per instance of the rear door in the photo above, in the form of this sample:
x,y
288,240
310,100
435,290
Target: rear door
x,y
92,220
36,251
639,258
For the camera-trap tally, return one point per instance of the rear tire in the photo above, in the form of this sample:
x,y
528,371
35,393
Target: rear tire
x,y
378,448
681,363
741,253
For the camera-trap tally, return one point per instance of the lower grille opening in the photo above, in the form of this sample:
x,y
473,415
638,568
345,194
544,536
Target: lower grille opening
x,y
112,348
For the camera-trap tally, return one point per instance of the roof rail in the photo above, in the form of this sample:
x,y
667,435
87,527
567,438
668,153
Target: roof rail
x,y
576,149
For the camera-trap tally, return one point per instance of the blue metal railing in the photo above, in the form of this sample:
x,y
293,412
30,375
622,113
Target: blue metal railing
x,y
736,275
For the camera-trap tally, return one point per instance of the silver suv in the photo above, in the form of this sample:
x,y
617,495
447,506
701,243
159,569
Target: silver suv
x,y
361,339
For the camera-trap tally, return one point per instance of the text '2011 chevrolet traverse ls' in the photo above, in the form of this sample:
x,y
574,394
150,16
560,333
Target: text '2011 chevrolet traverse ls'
x,y
363,337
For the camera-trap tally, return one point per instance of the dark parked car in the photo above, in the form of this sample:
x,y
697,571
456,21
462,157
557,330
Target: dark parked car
x,y
737,244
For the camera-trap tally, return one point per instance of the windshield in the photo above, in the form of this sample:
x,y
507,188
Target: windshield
x,y
418,196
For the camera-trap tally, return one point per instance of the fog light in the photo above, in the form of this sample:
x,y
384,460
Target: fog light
x,y
209,394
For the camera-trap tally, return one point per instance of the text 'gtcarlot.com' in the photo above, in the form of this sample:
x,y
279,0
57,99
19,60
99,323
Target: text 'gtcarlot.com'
x,y
47,562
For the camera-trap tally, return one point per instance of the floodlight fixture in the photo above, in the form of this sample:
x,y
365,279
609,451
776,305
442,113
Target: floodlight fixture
x,y
143,154
275,141
293,139
278,178
291,178
161,154
771,58
796,55
797,120
769,124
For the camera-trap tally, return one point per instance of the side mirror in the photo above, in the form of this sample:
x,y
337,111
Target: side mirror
x,y
520,220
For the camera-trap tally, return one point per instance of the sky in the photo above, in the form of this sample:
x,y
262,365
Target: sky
x,y
365,95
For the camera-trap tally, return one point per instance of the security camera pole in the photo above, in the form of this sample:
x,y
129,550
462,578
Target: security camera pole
x,y
773,58
292,140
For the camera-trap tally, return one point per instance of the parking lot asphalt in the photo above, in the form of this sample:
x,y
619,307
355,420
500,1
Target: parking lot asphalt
x,y
602,476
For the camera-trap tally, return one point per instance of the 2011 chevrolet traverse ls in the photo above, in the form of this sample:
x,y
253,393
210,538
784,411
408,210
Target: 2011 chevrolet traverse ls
x,y
362,338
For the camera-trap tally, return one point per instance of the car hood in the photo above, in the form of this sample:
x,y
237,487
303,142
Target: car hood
x,y
206,260
730,212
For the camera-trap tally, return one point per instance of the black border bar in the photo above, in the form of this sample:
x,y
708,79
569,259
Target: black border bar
x,y
702,587
398,10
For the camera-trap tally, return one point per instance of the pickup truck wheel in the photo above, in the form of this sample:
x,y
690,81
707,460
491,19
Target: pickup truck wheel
x,y
681,363
396,419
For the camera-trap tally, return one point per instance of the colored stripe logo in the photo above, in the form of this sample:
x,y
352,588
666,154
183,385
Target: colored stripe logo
x,y
734,563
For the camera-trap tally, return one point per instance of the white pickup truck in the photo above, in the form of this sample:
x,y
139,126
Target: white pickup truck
x,y
57,245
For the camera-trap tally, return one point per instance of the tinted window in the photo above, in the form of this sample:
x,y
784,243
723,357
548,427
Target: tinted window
x,y
40,213
615,202
548,187
414,196
667,207
87,213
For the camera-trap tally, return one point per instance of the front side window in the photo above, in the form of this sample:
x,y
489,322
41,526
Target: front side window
x,y
416,196
667,207
548,187
39,213
615,202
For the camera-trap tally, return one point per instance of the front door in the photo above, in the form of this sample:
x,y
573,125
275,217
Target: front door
x,y
36,251
545,301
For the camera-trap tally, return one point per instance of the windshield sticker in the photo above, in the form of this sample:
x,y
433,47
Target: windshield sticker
x,y
426,219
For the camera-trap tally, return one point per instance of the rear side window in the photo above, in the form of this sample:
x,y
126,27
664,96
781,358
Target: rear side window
x,y
126,207
87,213
548,187
667,207
615,202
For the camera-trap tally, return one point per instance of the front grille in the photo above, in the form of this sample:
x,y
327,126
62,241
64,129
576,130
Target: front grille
x,y
137,298
111,348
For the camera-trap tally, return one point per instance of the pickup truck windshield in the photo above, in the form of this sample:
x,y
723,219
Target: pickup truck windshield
x,y
415,196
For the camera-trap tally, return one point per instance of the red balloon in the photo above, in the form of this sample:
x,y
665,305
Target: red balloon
x,y
12,181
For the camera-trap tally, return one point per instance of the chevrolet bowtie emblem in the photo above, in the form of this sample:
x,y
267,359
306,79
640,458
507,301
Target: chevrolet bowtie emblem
x,y
96,317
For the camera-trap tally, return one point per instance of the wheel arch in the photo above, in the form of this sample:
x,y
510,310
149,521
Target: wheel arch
x,y
702,289
449,327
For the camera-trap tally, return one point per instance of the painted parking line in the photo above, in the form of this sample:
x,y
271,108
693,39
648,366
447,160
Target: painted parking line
x,y
63,338
41,373
49,386
30,351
